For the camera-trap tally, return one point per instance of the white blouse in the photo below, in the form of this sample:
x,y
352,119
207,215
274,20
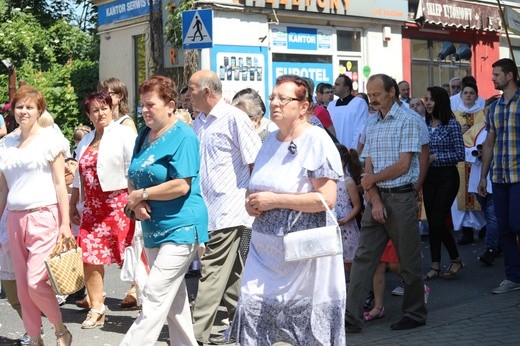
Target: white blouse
x,y
28,171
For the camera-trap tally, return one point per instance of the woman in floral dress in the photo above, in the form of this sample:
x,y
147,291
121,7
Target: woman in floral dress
x,y
105,231
348,204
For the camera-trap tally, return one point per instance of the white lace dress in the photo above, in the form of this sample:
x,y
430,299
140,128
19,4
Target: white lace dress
x,y
302,302
350,231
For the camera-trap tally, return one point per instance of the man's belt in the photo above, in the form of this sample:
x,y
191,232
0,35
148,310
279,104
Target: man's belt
x,y
398,189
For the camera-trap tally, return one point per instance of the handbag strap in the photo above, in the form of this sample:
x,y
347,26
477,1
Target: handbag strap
x,y
58,249
331,214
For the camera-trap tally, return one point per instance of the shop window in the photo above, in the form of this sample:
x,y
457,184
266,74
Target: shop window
x,y
349,41
428,70
420,49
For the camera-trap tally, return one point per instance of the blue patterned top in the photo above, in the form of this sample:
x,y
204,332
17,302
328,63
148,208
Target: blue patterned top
x,y
390,136
504,120
174,155
446,143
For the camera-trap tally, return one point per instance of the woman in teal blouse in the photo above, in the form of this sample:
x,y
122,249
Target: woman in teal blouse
x,y
164,193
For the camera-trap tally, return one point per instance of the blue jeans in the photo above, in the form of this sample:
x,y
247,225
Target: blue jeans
x,y
507,199
492,230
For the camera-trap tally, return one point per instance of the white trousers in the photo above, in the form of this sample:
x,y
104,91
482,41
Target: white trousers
x,y
165,298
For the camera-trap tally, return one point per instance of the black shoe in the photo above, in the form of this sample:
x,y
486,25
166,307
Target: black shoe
x,y
406,323
352,329
221,340
488,257
192,273
482,233
467,236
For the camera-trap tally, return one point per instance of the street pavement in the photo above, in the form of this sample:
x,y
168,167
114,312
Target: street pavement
x,y
462,311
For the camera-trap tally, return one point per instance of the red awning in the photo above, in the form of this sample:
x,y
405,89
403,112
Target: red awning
x,y
460,14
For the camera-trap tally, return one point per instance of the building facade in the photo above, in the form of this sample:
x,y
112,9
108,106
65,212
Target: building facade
x,y
255,41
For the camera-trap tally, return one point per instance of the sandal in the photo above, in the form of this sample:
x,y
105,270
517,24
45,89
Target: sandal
x,y
95,318
64,338
374,313
85,302
37,342
453,269
432,274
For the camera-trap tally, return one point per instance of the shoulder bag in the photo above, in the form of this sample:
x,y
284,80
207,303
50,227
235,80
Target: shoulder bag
x,y
314,242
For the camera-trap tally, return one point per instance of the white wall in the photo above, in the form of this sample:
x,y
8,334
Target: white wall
x,y
117,55
238,28
384,56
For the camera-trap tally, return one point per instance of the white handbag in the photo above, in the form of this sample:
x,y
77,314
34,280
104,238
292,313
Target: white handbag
x,y
314,242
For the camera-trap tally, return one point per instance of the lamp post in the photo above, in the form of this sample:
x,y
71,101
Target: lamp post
x,y
12,77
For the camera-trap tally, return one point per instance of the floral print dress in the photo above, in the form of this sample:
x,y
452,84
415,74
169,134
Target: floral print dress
x,y
105,231
350,231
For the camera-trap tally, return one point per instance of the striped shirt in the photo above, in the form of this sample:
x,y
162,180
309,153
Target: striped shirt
x,y
387,138
504,120
228,145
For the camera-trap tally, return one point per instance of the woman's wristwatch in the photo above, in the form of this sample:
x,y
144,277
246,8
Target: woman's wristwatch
x,y
144,194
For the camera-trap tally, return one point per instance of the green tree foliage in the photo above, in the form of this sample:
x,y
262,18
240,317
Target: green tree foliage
x,y
22,39
173,29
58,58
46,12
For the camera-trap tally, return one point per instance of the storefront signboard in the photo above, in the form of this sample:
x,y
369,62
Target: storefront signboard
x,y
381,9
459,14
318,72
301,39
120,10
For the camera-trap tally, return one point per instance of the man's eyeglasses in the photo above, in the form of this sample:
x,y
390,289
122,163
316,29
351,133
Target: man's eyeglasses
x,y
282,99
328,92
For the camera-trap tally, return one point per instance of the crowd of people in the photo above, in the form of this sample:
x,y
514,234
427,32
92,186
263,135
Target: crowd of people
x,y
374,159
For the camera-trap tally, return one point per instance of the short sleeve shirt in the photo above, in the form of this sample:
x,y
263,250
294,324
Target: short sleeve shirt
x,y
174,155
504,120
387,138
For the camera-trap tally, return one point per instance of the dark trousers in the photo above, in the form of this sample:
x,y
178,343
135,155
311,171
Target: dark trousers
x,y
403,228
220,279
507,208
439,191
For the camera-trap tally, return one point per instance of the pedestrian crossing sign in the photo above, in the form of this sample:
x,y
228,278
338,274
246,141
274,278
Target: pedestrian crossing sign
x,y
197,29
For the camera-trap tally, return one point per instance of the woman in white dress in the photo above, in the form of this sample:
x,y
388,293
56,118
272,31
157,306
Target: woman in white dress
x,y
301,302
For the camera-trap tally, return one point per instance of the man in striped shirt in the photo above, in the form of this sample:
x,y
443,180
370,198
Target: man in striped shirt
x,y
228,148
502,146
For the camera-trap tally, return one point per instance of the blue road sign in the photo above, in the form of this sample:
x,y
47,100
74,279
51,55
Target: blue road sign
x,y
197,29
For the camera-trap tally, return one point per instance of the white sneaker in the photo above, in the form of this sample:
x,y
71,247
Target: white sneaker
x,y
399,290
25,339
61,299
506,286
